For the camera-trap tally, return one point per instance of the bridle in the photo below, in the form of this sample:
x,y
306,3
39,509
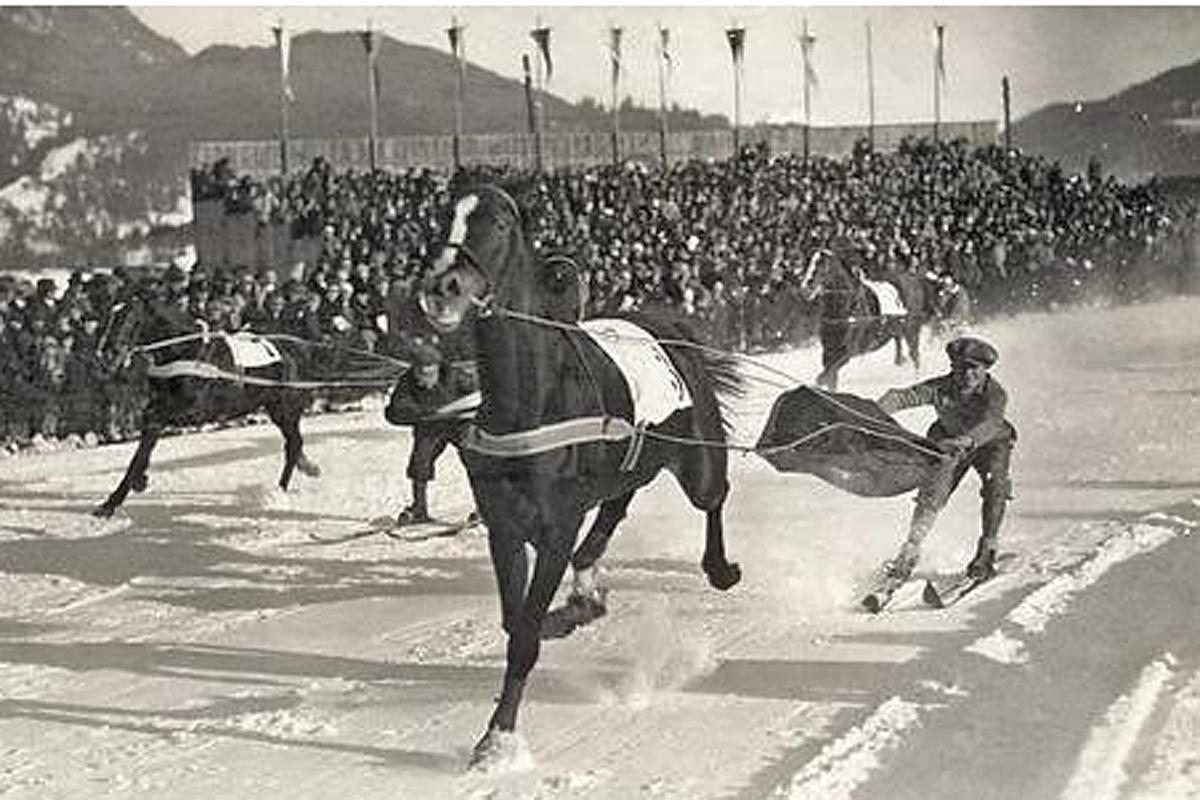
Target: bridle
x,y
484,306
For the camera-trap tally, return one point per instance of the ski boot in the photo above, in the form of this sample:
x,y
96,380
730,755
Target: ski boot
x,y
413,515
895,574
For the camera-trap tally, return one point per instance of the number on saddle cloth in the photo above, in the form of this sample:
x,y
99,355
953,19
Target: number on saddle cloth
x,y
249,351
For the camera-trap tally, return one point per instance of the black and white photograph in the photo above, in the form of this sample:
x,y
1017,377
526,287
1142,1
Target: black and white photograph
x,y
580,402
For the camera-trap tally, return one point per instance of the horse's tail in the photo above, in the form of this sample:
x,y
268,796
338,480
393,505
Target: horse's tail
x,y
719,370
728,383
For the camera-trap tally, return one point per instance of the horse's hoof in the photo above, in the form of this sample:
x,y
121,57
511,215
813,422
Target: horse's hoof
x,y
579,611
309,468
139,483
500,751
103,512
724,577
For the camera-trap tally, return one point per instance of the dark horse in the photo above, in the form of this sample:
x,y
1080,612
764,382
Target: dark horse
x,y
538,368
185,399
852,321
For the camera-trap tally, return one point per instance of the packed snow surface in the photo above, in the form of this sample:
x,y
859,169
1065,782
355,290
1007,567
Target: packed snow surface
x,y
203,643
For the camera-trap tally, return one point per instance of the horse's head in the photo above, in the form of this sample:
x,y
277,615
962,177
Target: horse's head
x,y
119,337
481,262
563,294
829,272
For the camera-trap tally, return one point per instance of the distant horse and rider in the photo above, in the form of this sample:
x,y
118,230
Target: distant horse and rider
x,y
858,315
189,378
560,432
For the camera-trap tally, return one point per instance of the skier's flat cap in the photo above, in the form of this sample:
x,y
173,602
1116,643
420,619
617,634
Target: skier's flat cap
x,y
972,350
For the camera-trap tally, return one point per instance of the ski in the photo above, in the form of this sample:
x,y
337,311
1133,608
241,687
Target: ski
x,y
343,538
408,532
947,592
884,594
433,529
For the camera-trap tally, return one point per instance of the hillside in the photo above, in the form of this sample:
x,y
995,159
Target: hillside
x,y
1136,133
97,111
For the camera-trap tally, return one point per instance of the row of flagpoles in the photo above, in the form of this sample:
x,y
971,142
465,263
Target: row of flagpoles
x,y
535,86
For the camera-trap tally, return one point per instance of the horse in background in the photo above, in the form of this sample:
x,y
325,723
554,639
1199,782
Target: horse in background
x,y
542,375
854,317
182,399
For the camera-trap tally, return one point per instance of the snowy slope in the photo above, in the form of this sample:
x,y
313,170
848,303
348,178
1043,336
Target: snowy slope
x,y
201,643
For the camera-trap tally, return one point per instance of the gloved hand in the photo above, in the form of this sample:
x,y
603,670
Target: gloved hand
x,y
956,445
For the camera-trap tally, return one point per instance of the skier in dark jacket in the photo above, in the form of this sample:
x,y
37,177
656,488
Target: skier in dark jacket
x,y
420,399
973,432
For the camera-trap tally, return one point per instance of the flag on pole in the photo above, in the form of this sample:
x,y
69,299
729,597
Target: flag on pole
x,y
283,43
458,44
614,49
371,46
541,37
808,43
737,42
939,53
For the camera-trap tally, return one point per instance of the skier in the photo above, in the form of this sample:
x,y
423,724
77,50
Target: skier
x,y
423,392
972,431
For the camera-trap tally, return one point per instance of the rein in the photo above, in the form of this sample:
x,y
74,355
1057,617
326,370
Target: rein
x,y
509,445
198,368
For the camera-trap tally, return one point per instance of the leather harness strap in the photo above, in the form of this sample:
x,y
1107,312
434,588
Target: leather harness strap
x,y
543,439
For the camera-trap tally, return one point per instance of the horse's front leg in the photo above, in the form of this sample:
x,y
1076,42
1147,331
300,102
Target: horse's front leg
x,y
135,475
500,744
898,340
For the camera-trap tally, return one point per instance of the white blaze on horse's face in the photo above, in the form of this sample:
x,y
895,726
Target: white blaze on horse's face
x,y
445,308
458,232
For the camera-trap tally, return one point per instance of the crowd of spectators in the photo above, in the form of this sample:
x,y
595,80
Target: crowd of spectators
x,y
725,242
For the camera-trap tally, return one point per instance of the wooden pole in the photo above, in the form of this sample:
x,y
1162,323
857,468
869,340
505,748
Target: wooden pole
x,y
455,33
870,90
372,96
281,46
806,78
662,95
531,113
937,82
615,55
1004,89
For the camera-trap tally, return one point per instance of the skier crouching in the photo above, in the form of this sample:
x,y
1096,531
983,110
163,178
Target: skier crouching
x,y
420,395
972,430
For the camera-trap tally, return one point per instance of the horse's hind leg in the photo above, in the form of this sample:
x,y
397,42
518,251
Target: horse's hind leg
x,y
588,598
703,475
898,339
135,474
286,416
913,337
829,375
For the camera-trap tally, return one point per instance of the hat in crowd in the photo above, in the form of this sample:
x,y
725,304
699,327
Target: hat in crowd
x,y
424,354
971,350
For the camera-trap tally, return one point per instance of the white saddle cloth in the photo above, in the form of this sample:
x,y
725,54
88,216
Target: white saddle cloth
x,y
250,351
657,388
890,302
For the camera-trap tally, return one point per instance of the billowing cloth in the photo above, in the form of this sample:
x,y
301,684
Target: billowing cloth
x,y
847,441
